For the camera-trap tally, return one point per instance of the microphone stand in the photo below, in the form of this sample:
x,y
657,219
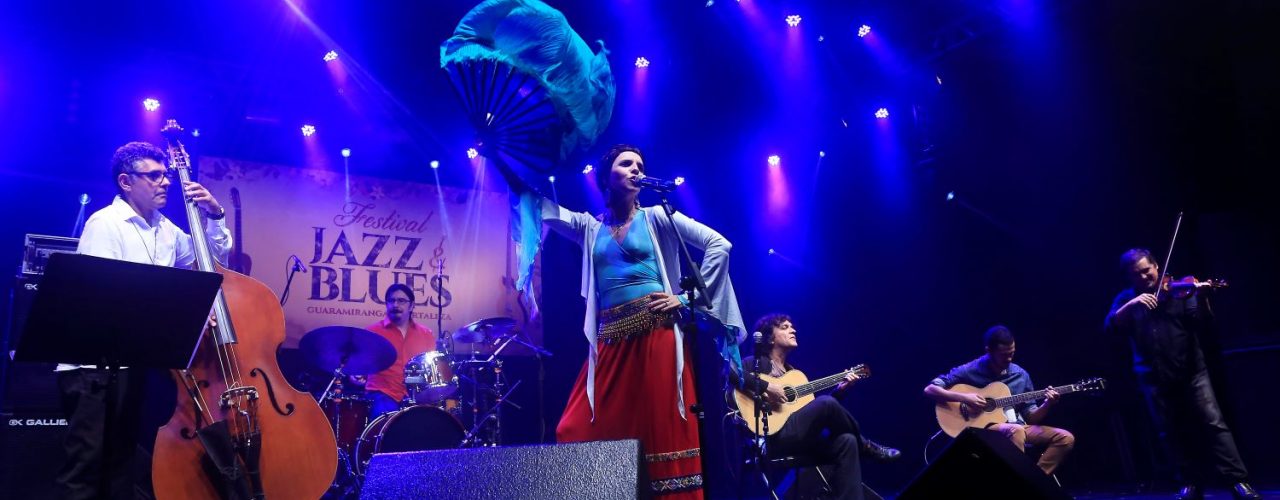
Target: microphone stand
x,y
695,288
297,266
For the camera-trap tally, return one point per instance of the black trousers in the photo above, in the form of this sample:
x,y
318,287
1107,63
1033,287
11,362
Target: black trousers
x,y
825,429
100,440
1190,424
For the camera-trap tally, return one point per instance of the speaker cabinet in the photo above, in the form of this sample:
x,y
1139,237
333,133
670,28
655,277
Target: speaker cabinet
x,y
983,464
30,453
598,470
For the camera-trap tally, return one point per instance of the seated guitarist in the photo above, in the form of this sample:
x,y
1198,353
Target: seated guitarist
x,y
1023,421
802,434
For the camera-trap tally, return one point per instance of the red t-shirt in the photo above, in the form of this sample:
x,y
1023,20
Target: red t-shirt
x,y
416,340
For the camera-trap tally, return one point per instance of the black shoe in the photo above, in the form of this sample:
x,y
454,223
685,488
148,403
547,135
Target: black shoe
x,y
879,452
1190,492
1242,491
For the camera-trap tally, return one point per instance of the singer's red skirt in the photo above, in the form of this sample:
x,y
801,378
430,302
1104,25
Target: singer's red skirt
x,y
636,399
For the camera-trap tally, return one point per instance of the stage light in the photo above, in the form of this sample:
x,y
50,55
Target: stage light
x,y
678,181
588,168
822,154
331,55
939,78
195,132
951,195
551,179
821,38
472,153
775,160
308,130
793,20
711,2
882,113
435,164
863,31
771,252
346,152
642,62
150,104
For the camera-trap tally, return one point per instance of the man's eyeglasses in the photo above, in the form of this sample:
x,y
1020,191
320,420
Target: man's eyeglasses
x,y
156,175
399,302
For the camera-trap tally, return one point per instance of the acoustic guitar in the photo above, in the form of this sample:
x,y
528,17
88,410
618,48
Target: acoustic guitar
x,y
798,392
954,417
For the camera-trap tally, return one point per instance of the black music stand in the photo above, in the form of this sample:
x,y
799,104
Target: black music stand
x,y
113,313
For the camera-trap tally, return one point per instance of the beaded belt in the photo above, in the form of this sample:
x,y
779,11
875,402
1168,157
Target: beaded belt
x,y
628,320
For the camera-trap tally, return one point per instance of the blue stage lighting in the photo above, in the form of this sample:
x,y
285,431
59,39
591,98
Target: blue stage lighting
x,y
587,169
435,164
882,113
150,104
331,55
551,179
308,130
775,160
793,20
951,195
346,152
472,153
678,181
642,62
863,31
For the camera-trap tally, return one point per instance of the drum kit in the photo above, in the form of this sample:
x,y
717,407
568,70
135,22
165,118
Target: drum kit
x,y
448,393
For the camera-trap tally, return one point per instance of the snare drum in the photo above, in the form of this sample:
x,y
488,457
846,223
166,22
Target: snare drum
x,y
429,378
415,428
348,417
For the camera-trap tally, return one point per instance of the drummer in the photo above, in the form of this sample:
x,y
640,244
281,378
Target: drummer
x,y
386,388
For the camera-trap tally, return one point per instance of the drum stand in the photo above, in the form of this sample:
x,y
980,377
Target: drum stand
x,y
482,433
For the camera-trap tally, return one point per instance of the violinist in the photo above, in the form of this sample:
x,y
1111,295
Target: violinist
x,y
1162,321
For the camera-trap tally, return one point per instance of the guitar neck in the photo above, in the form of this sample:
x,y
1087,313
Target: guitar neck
x,y
1027,397
819,385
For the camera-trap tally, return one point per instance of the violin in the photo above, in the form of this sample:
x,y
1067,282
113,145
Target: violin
x,y
1188,286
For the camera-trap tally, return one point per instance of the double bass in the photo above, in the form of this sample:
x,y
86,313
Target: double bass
x,y
239,430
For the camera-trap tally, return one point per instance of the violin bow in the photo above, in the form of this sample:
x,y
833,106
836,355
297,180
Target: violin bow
x,y
1164,270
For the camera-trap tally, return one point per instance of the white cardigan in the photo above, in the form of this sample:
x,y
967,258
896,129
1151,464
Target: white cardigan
x,y
583,228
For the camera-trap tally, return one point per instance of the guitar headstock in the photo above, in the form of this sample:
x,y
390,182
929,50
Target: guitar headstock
x,y
860,372
1091,384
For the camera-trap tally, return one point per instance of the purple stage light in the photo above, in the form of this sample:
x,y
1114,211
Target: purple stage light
x,y
882,113
435,164
822,154
771,252
195,132
951,195
793,20
863,31
346,152
642,62
678,181
472,153
308,130
150,104
331,55
775,160
551,179
588,168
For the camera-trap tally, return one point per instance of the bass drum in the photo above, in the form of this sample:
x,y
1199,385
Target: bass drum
x,y
415,428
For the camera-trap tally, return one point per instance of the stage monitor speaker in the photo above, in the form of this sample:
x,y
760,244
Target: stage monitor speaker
x,y
597,470
983,464
30,453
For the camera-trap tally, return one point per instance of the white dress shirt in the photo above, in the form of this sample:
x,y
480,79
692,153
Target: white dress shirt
x,y
118,232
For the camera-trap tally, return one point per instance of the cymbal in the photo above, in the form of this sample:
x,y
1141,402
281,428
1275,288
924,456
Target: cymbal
x,y
362,351
484,329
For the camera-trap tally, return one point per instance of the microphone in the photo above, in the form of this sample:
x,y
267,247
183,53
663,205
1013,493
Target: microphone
x,y
655,184
297,264
758,338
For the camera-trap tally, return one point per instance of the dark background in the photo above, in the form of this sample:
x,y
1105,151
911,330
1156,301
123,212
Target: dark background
x,y
1069,131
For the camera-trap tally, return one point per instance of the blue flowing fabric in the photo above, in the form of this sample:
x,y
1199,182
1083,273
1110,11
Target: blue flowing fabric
x,y
537,39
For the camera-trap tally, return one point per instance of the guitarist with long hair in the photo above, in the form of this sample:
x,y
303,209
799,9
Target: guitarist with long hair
x,y
1022,421
801,434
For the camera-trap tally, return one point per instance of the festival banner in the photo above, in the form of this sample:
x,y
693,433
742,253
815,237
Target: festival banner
x,y
355,236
